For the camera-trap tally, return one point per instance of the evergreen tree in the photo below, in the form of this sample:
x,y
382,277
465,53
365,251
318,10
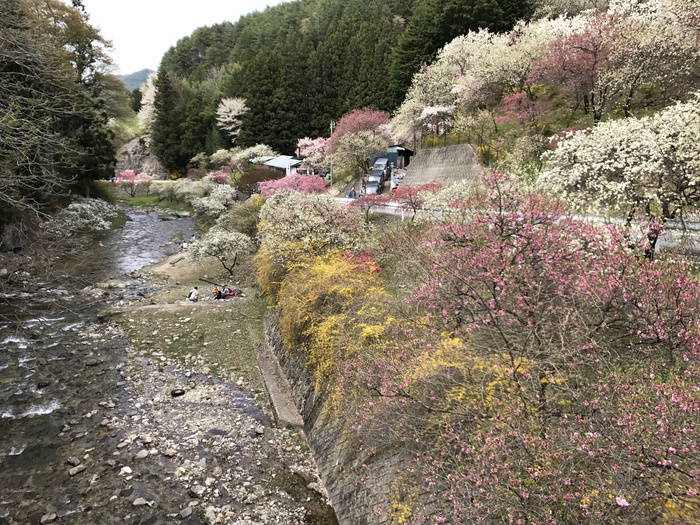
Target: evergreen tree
x,y
168,116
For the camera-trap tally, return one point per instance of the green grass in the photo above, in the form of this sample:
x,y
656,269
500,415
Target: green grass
x,y
225,335
143,201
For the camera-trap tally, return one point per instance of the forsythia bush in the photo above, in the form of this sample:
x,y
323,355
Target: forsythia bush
x,y
330,306
294,228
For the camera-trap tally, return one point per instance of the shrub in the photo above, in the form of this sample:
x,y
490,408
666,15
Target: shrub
x,y
328,308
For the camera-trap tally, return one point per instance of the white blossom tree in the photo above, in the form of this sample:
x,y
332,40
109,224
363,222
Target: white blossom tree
x,y
214,204
146,113
648,165
229,115
356,149
292,223
224,246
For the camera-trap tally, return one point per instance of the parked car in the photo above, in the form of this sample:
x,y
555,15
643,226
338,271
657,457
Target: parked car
x,y
376,176
372,188
381,164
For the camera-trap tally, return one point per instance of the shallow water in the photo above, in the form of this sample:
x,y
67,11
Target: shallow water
x,y
61,379
49,376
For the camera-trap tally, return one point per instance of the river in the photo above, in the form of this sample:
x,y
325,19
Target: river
x,y
83,435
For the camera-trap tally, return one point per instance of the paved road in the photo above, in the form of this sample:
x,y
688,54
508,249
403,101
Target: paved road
x,y
685,235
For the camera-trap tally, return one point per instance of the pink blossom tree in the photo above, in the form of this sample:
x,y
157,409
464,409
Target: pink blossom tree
x,y
412,198
368,203
293,182
551,378
314,153
131,182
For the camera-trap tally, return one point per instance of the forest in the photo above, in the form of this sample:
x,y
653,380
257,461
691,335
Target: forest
x,y
302,65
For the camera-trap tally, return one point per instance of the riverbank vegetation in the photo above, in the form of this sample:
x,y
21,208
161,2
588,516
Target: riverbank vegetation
x,y
56,97
540,368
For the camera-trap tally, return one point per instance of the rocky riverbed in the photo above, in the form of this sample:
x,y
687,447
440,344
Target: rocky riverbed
x,y
98,429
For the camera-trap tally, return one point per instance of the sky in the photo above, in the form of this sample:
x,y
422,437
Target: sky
x,y
142,31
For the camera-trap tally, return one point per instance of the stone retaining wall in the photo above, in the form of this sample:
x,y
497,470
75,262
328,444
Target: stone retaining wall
x,y
358,477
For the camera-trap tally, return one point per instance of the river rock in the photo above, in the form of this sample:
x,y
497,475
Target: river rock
x,y
76,470
177,392
197,491
186,512
140,502
170,453
49,517
141,454
73,461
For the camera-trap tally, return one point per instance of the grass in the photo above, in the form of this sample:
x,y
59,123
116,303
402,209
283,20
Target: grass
x,y
143,201
224,335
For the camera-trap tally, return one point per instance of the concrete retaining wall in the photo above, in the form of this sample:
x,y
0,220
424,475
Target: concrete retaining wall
x,y
358,477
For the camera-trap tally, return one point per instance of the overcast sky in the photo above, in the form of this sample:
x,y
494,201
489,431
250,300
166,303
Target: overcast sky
x,y
143,30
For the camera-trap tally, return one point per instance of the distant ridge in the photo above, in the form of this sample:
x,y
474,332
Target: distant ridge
x,y
136,80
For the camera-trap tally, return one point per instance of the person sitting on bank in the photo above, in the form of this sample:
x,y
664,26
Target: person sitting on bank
x,y
216,292
193,295
351,193
226,291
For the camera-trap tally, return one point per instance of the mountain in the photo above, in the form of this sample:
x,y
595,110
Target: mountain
x,y
136,80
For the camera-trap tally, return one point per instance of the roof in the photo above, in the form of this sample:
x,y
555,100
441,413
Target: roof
x,y
283,162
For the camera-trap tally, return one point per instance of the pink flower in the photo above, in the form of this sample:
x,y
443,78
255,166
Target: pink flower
x,y
622,502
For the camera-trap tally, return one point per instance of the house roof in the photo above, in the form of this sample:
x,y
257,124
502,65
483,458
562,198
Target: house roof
x,y
283,162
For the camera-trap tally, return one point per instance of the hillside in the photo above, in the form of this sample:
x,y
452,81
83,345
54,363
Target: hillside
x,y
136,80
301,65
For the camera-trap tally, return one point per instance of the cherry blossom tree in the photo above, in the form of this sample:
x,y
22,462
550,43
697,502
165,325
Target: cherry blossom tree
x,y
314,153
131,182
360,120
147,112
229,114
412,198
368,203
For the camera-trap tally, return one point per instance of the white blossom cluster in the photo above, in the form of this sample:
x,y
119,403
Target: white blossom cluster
x,y
227,247
214,204
82,215
642,42
442,204
229,115
311,222
631,163
220,157
186,190
146,113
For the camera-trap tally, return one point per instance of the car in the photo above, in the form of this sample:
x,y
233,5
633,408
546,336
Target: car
x,y
380,164
373,188
375,176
